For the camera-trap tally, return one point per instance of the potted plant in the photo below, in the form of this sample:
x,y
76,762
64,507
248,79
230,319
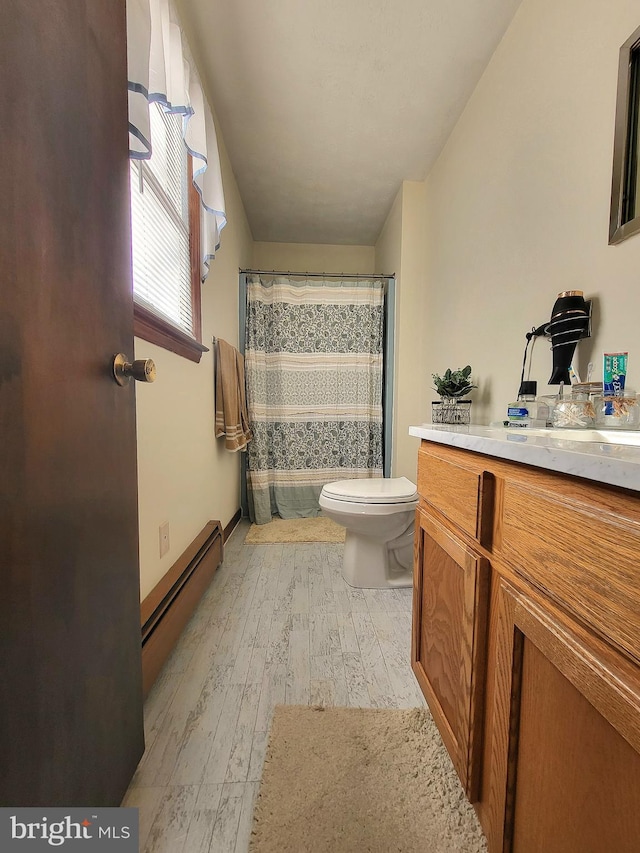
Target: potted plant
x,y
451,387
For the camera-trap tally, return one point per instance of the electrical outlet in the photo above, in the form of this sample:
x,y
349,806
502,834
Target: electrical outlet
x,y
164,538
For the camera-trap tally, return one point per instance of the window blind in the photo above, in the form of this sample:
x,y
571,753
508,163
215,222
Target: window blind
x,y
160,223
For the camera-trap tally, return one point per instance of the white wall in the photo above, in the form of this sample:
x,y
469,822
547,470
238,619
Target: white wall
x,y
518,203
185,476
307,257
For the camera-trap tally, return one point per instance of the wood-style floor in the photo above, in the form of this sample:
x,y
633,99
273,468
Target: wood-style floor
x,y
277,625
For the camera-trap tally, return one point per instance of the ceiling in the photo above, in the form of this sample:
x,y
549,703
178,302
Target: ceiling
x,y
326,107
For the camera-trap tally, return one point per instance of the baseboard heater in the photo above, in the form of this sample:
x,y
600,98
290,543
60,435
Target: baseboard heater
x,y
169,605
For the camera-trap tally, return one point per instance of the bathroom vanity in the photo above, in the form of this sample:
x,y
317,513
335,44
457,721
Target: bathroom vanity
x,y
526,630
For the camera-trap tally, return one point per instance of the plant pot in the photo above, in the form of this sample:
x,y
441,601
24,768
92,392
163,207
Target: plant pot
x,y
449,410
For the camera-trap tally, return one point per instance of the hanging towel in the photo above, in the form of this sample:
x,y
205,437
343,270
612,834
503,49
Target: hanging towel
x,y
232,420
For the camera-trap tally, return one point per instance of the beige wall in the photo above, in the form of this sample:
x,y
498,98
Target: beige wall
x,y
185,476
307,257
411,393
518,203
400,249
388,261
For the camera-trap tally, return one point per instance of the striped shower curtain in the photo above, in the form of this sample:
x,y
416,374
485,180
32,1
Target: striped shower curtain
x,y
314,369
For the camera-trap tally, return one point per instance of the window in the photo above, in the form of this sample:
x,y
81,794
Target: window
x,y
165,241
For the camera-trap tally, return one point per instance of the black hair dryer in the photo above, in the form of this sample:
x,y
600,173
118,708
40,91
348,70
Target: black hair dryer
x,y
570,321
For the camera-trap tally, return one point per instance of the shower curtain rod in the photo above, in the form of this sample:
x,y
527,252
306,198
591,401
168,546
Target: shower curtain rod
x,y
318,274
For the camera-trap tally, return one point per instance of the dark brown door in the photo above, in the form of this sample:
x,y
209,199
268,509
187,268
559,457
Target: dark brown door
x,y
70,679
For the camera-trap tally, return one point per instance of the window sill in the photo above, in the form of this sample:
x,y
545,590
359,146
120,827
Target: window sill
x,y
153,328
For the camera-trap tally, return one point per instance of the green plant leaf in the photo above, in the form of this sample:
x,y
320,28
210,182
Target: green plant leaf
x,y
454,383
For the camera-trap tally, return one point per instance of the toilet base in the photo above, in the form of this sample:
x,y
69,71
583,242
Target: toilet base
x,y
372,564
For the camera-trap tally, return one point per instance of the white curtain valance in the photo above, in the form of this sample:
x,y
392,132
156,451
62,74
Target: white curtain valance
x,y
161,69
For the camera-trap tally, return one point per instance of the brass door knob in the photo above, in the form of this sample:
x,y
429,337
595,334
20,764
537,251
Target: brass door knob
x,y
142,370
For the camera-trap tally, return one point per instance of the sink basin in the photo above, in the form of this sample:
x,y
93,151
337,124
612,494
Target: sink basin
x,y
630,438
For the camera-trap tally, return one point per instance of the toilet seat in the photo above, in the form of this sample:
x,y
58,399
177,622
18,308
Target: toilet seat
x,y
394,490
343,506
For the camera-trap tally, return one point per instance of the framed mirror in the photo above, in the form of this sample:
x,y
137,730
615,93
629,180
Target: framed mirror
x,y
625,186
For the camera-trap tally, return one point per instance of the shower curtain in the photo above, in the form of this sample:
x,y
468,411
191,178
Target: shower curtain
x,y
314,370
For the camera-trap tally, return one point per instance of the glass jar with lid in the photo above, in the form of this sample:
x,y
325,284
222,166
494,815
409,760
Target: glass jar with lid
x,y
618,412
574,413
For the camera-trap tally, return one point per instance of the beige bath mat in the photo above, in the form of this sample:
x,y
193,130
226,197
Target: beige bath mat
x,y
318,529
350,780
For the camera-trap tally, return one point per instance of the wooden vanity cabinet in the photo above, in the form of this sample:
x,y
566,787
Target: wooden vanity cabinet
x,y
527,649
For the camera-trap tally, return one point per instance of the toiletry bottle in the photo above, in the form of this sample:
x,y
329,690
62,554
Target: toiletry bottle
x,y
527,411
518,412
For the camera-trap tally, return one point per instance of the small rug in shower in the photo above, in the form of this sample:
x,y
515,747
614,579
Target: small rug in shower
x,y
318,529
341,780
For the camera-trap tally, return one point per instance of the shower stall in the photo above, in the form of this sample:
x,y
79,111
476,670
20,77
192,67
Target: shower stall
x,y
319,370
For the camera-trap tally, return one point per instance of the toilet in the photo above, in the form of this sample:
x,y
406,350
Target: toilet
x,y
378,515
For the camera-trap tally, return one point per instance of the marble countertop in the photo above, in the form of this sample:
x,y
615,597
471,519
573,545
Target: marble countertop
x,y
606,456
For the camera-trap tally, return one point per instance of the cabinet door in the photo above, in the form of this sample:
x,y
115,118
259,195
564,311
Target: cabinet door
x,y
450,600
566,737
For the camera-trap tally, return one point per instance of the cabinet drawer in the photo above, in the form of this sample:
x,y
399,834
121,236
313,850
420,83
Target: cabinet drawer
x,y
462,493
581,553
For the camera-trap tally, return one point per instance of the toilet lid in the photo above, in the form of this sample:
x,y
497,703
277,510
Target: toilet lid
x,y
392,490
